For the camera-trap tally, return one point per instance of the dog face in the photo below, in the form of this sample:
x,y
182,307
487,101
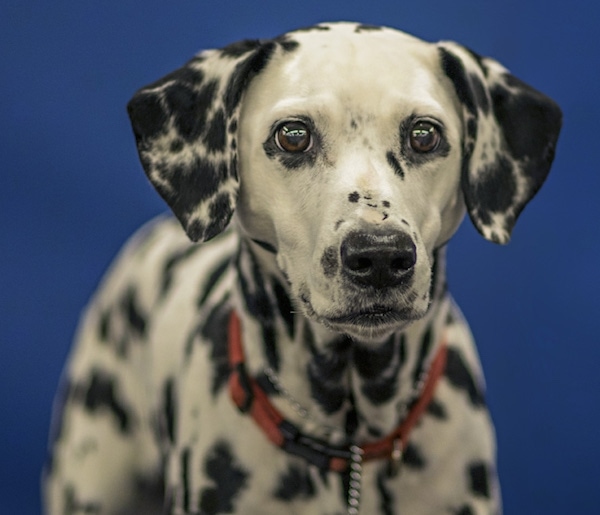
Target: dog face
x,y
350,158
351,154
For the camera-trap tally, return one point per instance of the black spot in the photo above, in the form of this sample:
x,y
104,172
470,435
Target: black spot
x,y
295,483
169,410
374,432
363,27
220,212
104,326
171,264
377,368
216,134
438,285
329,261
479,60
480,93
354,196
265,383
386,503
385,203
176,146
319,28
393,162
288,45
233,126
259,304
195,230
472,130
351,422
215,331
465,510
239,48
460,377
296,161
233,166
189,107
413,457
245,71
496,187
424,348
148,116
185,478
479,479
453,67
325,371
266,246
285,307
218,224
100,394
228,478
213,280
437,410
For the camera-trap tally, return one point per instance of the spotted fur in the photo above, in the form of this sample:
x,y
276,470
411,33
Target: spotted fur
x,y
334,265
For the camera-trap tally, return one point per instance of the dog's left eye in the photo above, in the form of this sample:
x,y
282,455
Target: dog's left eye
x,y
424,137
294,137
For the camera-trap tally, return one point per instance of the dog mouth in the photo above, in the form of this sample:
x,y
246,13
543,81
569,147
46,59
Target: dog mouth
x,y
366,323
371,325
372,317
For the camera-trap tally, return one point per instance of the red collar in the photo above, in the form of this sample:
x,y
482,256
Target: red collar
x,y
250,398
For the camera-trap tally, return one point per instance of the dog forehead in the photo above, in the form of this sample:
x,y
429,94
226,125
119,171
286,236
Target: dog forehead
x,y
344,32
345,47
341,65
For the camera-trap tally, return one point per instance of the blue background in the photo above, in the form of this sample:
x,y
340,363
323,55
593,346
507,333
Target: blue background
x,y
72,190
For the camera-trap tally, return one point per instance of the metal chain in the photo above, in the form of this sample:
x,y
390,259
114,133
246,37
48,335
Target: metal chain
x,y
295,405
354,487
356,452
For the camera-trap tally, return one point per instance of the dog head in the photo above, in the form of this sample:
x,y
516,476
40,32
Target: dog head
x,y
351,154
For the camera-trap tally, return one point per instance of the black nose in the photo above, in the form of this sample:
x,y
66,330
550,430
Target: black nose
x,y
378,260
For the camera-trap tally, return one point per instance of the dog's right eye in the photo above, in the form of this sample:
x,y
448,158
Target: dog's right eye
x,y
424,137
293,137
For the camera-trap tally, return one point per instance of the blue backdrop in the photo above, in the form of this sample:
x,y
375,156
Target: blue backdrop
x,y
73,190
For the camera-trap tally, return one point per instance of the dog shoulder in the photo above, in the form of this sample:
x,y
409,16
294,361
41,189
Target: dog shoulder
x,y
157,270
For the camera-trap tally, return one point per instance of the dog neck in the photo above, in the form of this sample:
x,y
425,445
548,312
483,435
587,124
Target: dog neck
x,y
332,387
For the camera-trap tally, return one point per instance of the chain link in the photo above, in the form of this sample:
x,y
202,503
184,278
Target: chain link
x,y
354,487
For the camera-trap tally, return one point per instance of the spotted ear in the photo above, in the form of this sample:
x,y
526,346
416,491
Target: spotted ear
x,y
510,137
185,126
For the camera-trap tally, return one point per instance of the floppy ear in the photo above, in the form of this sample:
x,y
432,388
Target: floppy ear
x,y
185,127
510,136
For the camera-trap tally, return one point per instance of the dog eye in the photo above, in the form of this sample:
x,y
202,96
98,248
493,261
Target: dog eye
x,y
294,137
424,137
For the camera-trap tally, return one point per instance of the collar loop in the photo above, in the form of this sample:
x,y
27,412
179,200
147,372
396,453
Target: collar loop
x,y
250,398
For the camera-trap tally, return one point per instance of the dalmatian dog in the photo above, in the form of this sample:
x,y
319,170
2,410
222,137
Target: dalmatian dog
x,y
308,359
